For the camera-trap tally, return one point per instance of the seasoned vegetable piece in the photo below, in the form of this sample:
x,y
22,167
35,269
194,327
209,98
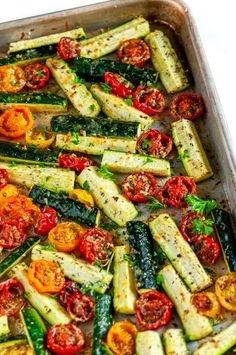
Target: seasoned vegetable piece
x,y
130,163
137,187
173,340
153,310
68,208
154,143
181,255
226,238
47,220
34,101
55,179
142,255
121,338
107,196
187,225
165,60
82,196
75,162
206,304
148,343
119,85
220,343
207,249
3,178
195,325
69,288
94,145
189,106
125,293
95,127
12,235
75,90
68,48
11,297
80,307
66,236
148,100
102,322
39,138
191,150
134,51
15,122
108,42
117,108
4,328
12,79
36,75
76,269
7,191
225,289
94,70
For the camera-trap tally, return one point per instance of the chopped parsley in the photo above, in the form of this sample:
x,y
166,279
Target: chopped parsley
x,y
203,226
40,73
129,100
13,163
154,204
86,186
146,143
76,138
92,107
106,87
199,205
78,80
159,279
106,172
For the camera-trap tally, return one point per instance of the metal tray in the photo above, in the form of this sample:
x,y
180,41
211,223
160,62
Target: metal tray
x,y
174,17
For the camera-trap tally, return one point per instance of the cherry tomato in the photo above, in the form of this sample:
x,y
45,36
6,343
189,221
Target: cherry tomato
x,y
119,85
186,226
68,48
12,234
225,288
121,338
175,190
46,276
66,236
47,220
40,138
134,51
12,78
148,100
154,143
96,245
206,304
3,178
75,162
15,122
21,209
37,75
207,249
69,288
137,186
11,297
7,191
80,307
65,339
153,310
189,106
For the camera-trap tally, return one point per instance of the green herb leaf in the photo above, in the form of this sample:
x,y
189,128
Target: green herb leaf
x,y
185,154
76,137
129,100
106,350
146,143
127,257
160,257
110,226
148,160
213,321
86,186
78,80
106,87
49,246
154,204
40,73
199,205
13,163
106,172
160,279
203,226
92,107
26,294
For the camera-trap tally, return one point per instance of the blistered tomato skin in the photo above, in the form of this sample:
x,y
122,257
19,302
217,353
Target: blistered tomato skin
x,y
138,186
154,143
207,249
134,51
148,100
119,85
75,162
37,75
11,297
47,220
189,106
68,48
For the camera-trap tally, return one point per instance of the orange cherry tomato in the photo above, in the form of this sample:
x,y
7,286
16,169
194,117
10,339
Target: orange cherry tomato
x,y
21,209
46,276
66,236
206,304
12,78
121,338
15,122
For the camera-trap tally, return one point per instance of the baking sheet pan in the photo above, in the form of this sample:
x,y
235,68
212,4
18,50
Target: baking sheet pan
x,y
175,19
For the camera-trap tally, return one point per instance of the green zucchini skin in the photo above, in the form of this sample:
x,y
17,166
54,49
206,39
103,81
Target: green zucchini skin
x,y
94,69
10,340
67,207
35,330
140,242
29,55
102,322
32,98
95,127
9,151
226,237
17,255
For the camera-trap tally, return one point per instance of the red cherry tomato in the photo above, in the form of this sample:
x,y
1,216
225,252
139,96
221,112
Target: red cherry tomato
x,y
36,75
75,162
3,178
68,48
137,186
189,106
186,226
65,339
11,297
96,245
134,51
207,249
153,310
119,85
80,307
47,220
148,100
175,190
69,288
154,143
12,234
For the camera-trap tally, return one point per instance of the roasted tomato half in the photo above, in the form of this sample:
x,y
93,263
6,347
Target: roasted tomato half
x,y
12,78
207,249
11,297
186,226
3,178
134,51
36,75
154,143
206,304
121,338
12,234
15,122
225,288
66,236
138,186
119,85
148,100
47,220
80,307
75,162
175,190
189,106
68,48
69,288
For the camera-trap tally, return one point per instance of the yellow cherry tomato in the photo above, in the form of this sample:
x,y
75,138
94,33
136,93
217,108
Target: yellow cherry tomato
x,y
82,196
39,138
7,191
225,288
206,304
